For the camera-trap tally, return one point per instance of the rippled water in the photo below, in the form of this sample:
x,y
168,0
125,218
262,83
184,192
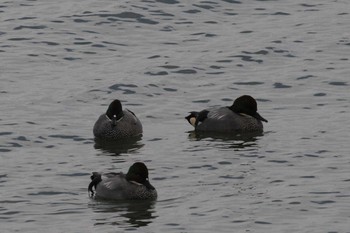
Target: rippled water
x,y
63,62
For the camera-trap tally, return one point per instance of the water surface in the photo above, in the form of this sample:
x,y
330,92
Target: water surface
x,y
63,63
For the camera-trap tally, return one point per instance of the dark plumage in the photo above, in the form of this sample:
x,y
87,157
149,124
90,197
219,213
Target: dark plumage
x,y
117,123
241,116
118,186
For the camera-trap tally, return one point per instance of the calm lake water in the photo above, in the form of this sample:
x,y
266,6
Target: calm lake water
x,y
63,62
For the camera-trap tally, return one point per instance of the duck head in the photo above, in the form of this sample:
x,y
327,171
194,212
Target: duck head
x,y
247,105
192,118
115,112
138,174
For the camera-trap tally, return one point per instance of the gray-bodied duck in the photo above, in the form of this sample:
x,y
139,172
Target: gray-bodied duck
x,y
117,123
240,117
134,185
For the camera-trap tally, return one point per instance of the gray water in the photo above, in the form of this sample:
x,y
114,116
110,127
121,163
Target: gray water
x,y
63,62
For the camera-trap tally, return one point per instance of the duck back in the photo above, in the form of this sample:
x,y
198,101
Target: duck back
x,y
128,126
224,120
116,187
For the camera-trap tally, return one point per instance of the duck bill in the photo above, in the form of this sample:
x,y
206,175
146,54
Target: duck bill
x,y
148,185
259,117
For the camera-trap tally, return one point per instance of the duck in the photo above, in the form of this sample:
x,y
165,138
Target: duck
x,y
240,117
117,123
133,185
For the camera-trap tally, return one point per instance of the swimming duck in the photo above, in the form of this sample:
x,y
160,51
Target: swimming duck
x,y
242,116
118,186
117,123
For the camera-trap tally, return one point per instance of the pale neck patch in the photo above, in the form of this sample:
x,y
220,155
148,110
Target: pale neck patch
x,y
245,115
119,118
134,182
114,116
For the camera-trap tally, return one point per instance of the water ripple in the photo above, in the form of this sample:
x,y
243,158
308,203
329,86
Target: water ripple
x,y
62,60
